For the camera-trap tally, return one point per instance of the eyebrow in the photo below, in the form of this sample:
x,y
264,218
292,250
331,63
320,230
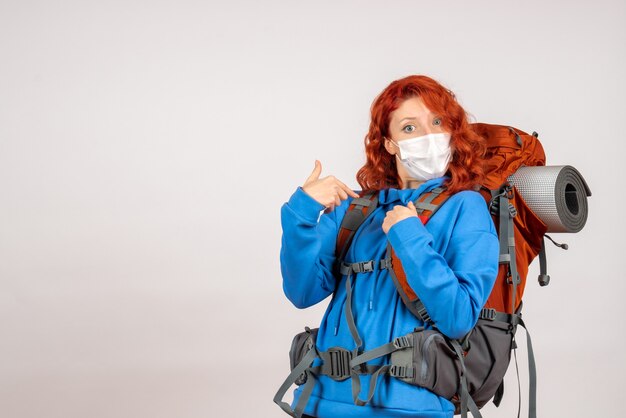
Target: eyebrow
x,y
412,118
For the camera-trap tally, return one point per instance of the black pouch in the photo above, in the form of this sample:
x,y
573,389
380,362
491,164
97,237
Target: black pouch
x,y
301,344
431,362
488,358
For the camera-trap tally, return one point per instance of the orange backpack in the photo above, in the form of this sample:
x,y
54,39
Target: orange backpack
x,y
481,370
469,371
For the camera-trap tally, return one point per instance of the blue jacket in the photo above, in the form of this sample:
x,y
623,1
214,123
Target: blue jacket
x,y
451,263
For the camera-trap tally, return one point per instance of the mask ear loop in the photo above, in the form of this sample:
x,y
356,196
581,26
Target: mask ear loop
x,y
394,143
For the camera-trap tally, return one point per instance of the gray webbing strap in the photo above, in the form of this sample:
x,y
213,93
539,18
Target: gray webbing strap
x,y
491,314
360,360
513,262
355,380
532,375
302,367
356,387
503,218
327,370
422,206
397,344
305,395
507,243
466,400
426,204
348,312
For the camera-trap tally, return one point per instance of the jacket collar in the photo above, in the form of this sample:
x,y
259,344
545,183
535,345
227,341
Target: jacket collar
x,y
404,196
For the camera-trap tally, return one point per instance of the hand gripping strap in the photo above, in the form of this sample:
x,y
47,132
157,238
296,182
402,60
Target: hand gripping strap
x,y
427,205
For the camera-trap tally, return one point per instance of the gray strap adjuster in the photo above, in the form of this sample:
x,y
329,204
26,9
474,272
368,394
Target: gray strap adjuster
x,y
385,263
402,372
402,342
488,313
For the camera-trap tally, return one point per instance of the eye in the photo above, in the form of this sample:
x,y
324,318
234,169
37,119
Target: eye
x,y
408,129
437,121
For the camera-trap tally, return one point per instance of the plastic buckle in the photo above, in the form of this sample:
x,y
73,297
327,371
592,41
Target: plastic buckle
x,y
339,363
364,266
402,342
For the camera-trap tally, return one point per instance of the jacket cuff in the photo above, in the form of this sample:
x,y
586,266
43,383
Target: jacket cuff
x,y
408,229
304,205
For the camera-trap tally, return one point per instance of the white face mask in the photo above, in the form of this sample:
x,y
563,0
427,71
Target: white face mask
x,y
425,157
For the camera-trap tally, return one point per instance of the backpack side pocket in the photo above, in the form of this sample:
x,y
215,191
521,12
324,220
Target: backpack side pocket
x,y
300,345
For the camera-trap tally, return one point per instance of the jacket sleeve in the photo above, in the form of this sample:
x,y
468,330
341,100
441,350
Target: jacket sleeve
x,y
454,286
307,253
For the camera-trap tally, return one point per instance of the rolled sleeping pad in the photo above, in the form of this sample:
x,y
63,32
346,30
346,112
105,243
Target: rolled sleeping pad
x,y
556,194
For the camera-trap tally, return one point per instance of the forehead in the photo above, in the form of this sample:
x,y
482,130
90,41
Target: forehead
x,y
412,107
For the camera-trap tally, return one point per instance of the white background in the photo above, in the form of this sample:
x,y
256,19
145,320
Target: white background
x,y
146,148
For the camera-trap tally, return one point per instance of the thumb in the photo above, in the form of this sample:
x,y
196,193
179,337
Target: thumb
x,y
316,172
410,205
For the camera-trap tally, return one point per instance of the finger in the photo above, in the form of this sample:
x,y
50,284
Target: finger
x,y
337,200
347,189
316,172
342,194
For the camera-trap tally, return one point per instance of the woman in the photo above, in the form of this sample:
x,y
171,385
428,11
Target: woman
x,y
418,139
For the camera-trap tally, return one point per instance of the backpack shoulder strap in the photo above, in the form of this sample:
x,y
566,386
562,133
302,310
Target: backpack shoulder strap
x,y
427,205
358,211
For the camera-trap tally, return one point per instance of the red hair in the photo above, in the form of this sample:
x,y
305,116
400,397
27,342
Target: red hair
x,y
466,167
